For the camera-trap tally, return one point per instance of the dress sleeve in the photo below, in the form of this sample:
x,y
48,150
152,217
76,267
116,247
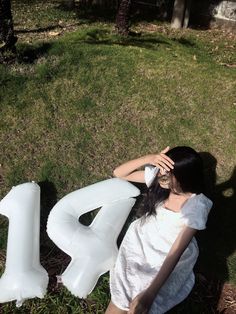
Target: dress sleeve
x,y
195,211
150,173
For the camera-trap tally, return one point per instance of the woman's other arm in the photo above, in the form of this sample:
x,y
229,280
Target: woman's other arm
x,y
177,249
143,302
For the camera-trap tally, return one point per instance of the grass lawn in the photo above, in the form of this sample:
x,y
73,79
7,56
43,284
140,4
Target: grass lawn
x,y
80,100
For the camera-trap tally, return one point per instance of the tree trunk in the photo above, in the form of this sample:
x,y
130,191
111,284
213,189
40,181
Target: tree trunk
x,y
7,37
178,14
122,18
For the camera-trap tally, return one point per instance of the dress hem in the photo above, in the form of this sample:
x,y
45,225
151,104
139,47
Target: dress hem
x,y
119,307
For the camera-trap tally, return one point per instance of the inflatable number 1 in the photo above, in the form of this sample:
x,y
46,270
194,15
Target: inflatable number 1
x,y
24,277
93,249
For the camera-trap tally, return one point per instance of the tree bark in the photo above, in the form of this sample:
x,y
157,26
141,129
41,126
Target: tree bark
x,y
187,13
122,18
7,36
178,14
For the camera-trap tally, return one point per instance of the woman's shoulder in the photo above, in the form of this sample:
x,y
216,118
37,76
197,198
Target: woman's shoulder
x,y
195,211
201,201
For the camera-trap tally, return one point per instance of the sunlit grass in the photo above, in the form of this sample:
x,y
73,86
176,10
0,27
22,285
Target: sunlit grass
x,y
73,108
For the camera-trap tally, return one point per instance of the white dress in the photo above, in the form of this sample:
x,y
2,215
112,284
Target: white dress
x,y
145,247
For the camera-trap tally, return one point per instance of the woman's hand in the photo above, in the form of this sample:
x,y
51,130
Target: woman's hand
x,y
161,161
141,304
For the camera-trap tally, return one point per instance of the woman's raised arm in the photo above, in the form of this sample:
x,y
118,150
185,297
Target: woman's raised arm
x,y
129,170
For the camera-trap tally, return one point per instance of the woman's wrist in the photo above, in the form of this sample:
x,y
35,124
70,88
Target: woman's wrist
x,y
151,293
147,159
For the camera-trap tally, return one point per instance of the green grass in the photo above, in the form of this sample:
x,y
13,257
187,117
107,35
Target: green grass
x,y
74,107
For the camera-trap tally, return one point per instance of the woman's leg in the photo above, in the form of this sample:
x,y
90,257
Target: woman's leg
x,y
113,309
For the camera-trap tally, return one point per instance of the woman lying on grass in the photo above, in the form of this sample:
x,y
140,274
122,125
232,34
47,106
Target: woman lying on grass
x,y
154,268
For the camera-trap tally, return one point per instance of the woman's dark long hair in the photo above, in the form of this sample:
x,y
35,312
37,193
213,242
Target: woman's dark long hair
x,y
188,172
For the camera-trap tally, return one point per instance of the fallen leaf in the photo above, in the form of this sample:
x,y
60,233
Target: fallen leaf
x,y
53,33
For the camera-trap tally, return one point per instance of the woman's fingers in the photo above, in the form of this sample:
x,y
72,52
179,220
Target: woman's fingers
x,y
163,158
132,307
167,158
163,165
131,310
165,150
164,162
163,154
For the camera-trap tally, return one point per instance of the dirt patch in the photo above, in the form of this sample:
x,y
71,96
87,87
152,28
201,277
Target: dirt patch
x,y
227,301
219,297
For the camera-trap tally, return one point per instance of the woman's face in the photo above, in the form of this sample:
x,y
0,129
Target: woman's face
x,y
164,179
168,181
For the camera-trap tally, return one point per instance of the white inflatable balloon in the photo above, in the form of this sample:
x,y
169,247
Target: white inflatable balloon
x,y
24,277
93,249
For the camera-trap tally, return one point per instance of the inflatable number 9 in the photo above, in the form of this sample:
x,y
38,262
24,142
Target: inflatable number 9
x,y
93,249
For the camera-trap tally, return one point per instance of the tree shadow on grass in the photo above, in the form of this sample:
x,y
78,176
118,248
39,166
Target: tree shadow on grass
x,y
140,43
185,42
152,42
30,53
99,37
38,30
216,244
219,240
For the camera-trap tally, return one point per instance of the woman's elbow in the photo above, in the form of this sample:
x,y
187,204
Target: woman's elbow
x,y
116,174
